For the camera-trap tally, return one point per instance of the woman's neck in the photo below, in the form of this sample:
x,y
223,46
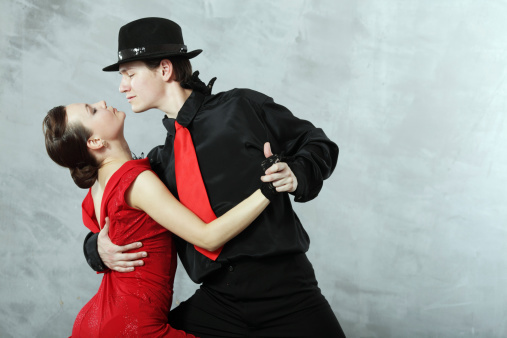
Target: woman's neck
x,y
116,156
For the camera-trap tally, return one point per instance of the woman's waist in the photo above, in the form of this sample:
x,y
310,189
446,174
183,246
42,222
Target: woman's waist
x,y
142,281
156,242
137,290
155,266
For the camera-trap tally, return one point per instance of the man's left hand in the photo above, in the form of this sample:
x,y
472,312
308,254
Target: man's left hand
x,y
279,174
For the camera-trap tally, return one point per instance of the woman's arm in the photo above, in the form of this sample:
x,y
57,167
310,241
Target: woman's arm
x,y
149,194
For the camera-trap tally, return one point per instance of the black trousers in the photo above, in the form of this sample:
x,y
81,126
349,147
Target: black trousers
x,y
269,297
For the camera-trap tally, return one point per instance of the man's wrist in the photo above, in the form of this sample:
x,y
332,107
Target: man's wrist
x,y
298,172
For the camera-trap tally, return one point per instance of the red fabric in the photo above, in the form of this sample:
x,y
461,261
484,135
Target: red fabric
x,y
130,304
191,189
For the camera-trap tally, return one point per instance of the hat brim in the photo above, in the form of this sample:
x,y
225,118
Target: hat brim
x,y
116,66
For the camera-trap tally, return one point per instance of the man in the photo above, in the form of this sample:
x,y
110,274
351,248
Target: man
x,y
261,283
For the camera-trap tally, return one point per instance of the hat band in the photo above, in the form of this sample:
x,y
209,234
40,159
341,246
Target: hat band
x,y
131,52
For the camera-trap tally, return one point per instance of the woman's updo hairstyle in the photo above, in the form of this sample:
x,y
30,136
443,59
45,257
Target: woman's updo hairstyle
x,y
66,144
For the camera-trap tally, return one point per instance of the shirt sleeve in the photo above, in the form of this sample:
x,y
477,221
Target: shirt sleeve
x,y
92,254
310,154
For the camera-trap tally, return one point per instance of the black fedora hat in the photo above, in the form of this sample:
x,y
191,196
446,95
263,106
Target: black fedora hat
x,y
150,38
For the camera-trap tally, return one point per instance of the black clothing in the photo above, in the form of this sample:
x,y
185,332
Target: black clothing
x,y
271,297
229,131
91,252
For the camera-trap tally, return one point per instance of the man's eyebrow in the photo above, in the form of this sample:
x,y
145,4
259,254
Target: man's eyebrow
x,y
88,108
124,70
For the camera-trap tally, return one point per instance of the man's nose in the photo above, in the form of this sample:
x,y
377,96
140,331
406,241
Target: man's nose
x,y
124,86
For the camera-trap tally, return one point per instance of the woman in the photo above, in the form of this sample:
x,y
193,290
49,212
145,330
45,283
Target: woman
x,y
89,140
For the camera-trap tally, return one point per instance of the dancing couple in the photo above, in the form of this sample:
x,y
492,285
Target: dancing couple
x,y
213,193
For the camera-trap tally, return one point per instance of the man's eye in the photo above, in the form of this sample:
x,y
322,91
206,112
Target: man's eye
x,y
130,75
94,110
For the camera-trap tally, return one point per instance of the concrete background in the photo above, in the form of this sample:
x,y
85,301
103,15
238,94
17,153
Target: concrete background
x,y
408,236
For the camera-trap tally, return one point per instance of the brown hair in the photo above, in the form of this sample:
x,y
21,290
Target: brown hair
x,y
181,66
66,144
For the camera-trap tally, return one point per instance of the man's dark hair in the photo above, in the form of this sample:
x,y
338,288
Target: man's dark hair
x,y
182,67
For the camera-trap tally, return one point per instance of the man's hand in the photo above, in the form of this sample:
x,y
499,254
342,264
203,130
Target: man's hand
x,y
279,174
112,255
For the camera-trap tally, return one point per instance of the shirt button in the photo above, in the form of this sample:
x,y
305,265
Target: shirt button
x,y
231,268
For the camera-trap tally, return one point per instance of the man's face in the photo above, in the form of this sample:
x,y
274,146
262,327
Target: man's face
x,y
144,88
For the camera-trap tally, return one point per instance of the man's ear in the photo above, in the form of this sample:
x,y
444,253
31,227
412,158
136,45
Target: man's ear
x,y
95,143
167,69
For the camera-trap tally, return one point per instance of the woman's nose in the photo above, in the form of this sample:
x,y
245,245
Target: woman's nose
x,y
100,104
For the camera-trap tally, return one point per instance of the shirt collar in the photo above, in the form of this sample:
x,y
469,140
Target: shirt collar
x,y
186,113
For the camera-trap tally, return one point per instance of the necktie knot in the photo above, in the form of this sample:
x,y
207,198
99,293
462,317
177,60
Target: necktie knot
x,y
177,126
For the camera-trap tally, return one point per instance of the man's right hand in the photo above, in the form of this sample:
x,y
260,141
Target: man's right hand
x,y
113,255
279,174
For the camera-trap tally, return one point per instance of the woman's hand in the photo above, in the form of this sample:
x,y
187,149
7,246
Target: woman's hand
x,y
279,174
113,255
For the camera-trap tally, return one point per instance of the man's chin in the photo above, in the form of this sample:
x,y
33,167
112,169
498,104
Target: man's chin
x,y
137,109
140,109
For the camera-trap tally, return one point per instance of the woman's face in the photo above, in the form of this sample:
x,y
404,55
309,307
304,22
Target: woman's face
x,y
105,122
144,88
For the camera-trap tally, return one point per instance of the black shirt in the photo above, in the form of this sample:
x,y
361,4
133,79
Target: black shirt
x,y
229,130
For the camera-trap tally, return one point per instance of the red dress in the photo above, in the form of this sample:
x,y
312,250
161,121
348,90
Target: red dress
x,y
131,304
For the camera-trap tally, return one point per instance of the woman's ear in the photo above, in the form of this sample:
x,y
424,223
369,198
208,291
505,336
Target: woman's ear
x,y
167,69
95,143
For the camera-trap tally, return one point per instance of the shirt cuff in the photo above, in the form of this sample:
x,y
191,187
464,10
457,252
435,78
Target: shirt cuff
x,y
92,254
298,171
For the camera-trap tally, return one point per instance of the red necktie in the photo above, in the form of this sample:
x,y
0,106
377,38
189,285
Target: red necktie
x,y
189,183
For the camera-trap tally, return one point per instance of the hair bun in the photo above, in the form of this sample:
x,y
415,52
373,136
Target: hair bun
x,y
85,177
66,145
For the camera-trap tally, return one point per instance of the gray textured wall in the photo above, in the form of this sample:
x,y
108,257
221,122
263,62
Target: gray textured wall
x,y
409,234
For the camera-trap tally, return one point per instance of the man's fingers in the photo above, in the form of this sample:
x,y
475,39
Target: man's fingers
x,y
277,167
105,228
280,182
271,177
128,264
284,188
279,175
132,256
130,246
120,269
282,177
283,182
